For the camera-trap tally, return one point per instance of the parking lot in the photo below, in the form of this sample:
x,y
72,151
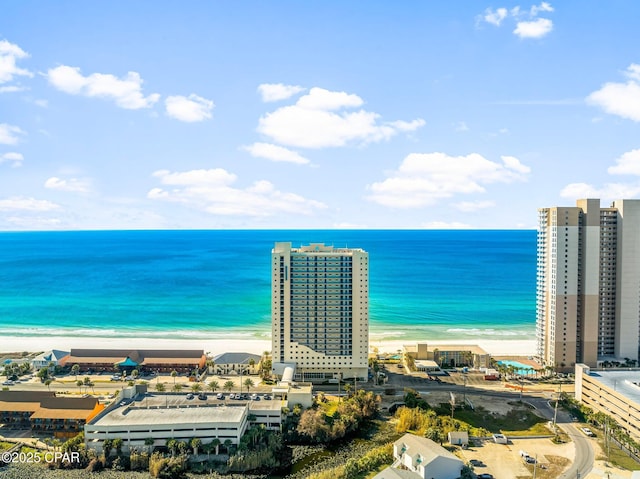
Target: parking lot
x,y
505,461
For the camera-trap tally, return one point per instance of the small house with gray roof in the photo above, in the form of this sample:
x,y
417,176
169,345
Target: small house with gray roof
x,y
237,363
420,458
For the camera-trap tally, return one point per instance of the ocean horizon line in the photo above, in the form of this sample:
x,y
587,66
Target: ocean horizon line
x,y
471,229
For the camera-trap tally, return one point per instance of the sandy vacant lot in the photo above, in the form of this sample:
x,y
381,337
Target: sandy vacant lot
x,y
505,462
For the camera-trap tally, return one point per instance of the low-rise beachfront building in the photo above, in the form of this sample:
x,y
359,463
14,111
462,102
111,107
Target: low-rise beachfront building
x,y
450,355
48,358
45,413
420,458
16,407
613,392
64,417
237,363
137,416
150,360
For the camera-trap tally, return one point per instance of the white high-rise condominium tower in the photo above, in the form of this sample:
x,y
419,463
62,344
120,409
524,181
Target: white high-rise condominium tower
x,y
320,310
588,283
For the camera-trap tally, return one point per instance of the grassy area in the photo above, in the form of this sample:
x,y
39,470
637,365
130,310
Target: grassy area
x,y
517,422
619,458
6,445
330,407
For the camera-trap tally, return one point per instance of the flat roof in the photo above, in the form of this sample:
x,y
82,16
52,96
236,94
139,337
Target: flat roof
x,y
620,381
153,410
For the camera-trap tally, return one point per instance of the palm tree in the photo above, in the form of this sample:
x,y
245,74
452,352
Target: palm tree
x,y
195,443
252,363
228,386
79,384
149,442
107,445
227,445
48,383
134,374
160,387
75,369
174,375
248,383
182,447
172,445
216,443
177,388
117,444
196,387
347,388
213,385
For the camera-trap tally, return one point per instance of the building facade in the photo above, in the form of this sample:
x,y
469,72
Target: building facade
x,y
126,360
588,283
137,417
613,392
320,310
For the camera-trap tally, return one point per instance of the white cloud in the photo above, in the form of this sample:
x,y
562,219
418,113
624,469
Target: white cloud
x,y
13,157
190,109
9,54
212,191
126,92
11,89
609,191
424,178
627,164
622,99
444,225
534,29
633,72
461,126
21,203
543,7
75,185
278,91
275,153
512,163
528,25
471,206
9,134
313,122
496,16
321,99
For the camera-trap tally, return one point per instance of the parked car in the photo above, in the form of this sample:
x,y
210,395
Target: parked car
x,y
232,396
254,397
485,476
220,396
190,396
202,396
8,383
476,463
587,431
267,397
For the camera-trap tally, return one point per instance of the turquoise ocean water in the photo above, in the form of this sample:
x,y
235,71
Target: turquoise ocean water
x,y
424,284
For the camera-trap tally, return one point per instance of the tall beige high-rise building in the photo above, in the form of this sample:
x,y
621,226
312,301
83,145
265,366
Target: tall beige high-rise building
x,y
320,310
588,283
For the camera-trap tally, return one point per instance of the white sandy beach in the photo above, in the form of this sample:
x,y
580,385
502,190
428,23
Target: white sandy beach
x,y
217,346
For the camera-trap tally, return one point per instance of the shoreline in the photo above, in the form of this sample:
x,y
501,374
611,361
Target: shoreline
x,y
495,347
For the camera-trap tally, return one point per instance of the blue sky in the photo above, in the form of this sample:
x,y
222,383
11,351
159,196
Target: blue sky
x,y
151,114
